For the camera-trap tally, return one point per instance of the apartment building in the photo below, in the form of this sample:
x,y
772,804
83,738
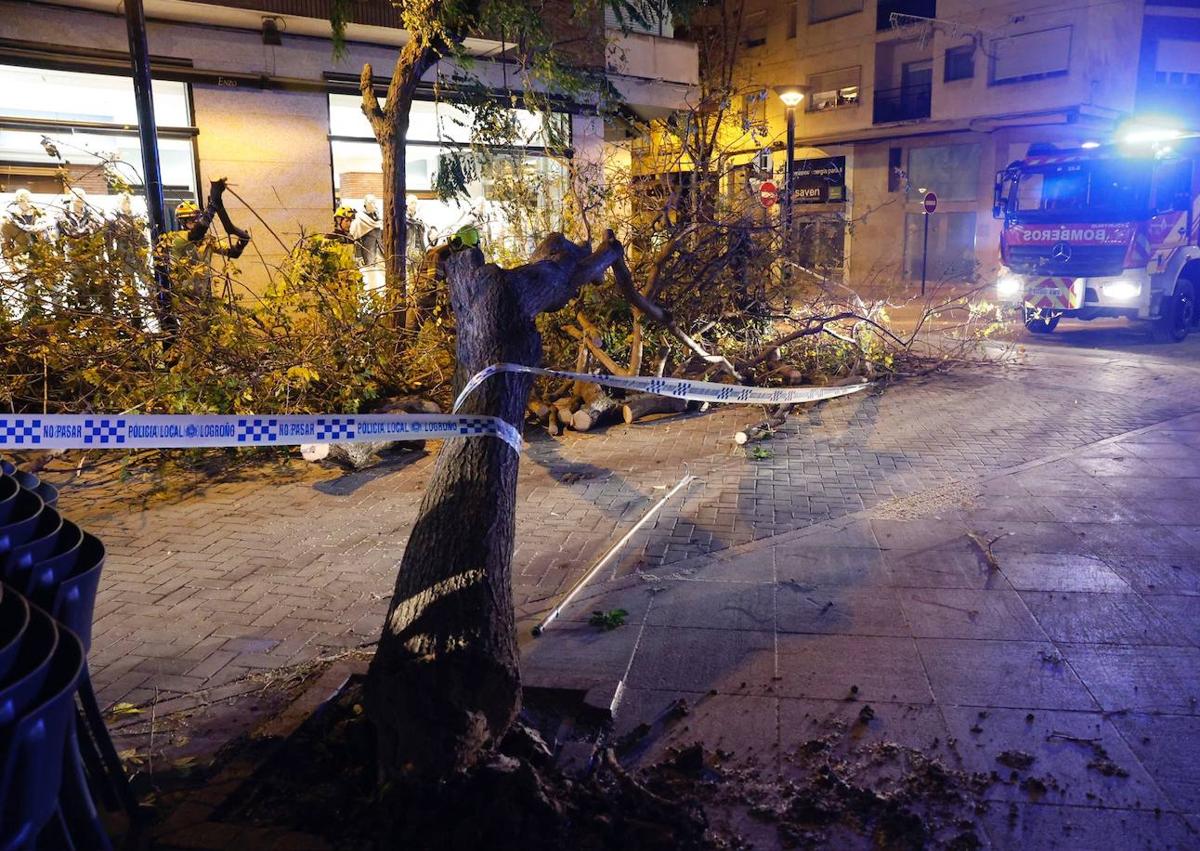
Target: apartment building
x,y
251,90
909,96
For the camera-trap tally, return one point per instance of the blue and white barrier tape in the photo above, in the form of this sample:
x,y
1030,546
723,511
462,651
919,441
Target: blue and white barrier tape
x,y
151,431
185,431
679,388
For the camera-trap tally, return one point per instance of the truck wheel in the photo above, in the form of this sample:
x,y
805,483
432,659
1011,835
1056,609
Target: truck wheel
x,y
1036,324
1178,314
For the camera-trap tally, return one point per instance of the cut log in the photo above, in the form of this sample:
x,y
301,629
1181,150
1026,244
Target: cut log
x,y
643,405
553,423
766,428
565,406
600,410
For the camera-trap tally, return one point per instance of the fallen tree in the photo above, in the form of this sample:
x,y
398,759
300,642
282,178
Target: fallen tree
x,y
443,686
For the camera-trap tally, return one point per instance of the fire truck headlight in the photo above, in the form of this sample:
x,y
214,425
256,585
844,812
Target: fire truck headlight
x,y
1122,290
1008,286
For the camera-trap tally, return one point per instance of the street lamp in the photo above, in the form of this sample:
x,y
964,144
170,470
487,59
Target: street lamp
x,y
791,97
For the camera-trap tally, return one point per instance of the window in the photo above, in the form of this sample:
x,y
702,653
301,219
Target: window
x,y
1177,63
1031,56
952,171
1173,186
754,29
833,89
951,254
827,10
87,119
754,111
791,27
960,63
436,130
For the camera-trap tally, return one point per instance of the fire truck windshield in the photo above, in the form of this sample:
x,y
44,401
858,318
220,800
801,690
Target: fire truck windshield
x,y
1098,190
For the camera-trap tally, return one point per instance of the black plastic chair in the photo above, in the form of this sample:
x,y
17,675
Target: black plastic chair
x,y
20,689
50,571
14,620
73,607
17,564
33,482
8,496
23,521
37,748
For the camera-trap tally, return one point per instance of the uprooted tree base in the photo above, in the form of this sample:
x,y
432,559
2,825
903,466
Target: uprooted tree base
x,y
839,786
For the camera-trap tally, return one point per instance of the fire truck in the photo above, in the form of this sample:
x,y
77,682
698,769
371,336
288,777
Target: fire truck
x,y
1103,231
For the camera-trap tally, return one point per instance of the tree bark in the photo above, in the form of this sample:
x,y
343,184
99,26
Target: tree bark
x,y
389,122
444,685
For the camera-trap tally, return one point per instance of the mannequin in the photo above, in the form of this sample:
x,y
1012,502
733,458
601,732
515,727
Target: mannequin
x,y
78,226
367,232
22,227
78,219
126,239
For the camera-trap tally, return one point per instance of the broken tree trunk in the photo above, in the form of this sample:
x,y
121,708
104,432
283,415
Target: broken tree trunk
x,y
645,404
443,686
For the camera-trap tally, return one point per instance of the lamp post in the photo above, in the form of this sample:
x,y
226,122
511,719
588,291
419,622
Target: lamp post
x,y
791,97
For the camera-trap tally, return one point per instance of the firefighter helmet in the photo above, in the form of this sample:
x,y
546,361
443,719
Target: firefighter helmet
x,y
186,209
344,213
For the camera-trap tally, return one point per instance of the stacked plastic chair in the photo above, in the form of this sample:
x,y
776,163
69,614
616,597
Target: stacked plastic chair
x,y
52,735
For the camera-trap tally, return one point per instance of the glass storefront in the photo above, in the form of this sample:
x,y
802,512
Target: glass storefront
x,y
514,199
67,129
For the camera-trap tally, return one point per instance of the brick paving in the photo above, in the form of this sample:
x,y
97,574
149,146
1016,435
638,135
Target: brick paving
x,y
249,577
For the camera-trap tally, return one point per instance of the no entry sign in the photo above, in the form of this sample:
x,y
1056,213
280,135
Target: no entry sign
x,y
768,194
930,202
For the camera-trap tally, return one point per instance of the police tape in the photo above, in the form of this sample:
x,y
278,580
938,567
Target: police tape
x,y
679,388
184,431
187,431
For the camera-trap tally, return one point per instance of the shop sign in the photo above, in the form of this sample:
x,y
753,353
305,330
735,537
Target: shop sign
x,y
820,180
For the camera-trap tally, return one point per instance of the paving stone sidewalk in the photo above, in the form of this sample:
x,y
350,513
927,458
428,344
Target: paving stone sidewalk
x,y
1084,632
207,598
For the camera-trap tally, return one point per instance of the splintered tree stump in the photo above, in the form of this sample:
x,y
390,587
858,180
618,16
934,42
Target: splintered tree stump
x,y
644,404
602,409
443,687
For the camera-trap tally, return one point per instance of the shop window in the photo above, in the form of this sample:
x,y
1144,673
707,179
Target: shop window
x,y
952,171
833,89
1031,56
60,129
951,246
436,131
827,10
754,29
960,63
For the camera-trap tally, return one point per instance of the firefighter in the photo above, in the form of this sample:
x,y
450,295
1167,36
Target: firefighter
x,y
189,249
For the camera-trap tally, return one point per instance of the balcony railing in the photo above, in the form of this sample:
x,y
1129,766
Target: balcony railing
x,y
903,104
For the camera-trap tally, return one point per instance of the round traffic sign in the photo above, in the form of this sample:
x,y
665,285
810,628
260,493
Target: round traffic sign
x,y
768,193
930,202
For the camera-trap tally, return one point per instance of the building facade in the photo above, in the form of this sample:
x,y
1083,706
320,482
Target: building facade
x,y
251,90
905,97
